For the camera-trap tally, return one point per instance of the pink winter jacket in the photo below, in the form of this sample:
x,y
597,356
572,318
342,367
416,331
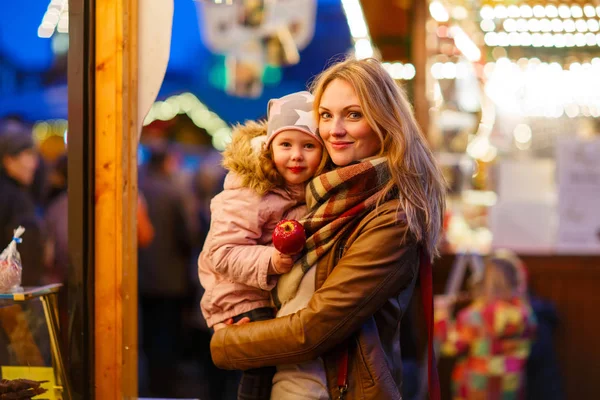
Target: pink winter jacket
x,y
235,259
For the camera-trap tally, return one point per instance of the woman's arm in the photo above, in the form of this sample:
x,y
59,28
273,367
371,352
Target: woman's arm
x,y
377,266
232,246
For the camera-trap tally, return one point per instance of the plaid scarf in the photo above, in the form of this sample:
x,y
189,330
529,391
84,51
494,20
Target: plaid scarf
x,y
337,200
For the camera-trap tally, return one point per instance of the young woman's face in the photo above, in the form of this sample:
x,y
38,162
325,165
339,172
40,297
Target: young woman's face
x,y
343,127
296,156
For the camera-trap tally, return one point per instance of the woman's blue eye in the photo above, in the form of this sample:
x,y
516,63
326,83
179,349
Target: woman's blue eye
x,y
355,114
325,115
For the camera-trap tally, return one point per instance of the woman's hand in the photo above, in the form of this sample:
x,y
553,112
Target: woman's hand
x,y
228,322
280,263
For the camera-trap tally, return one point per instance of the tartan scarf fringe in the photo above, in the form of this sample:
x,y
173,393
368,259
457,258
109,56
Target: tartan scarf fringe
x,y
336,201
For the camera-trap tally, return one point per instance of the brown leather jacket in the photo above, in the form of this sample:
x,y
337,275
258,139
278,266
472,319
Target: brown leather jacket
x,y
358,304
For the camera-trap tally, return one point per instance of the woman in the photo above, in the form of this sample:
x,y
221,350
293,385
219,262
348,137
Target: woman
x,y
370,220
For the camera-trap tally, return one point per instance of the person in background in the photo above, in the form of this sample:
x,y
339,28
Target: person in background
x,y
544,377
269,166
163,276
373,225
492,336
211,382
18,163
56,220
57,179
145,230
56,223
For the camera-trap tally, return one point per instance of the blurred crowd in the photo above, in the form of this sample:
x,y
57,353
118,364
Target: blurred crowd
x,y
31,190
174,340
176,184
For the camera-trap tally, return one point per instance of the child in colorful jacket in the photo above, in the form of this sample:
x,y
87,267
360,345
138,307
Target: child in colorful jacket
x,y
492,337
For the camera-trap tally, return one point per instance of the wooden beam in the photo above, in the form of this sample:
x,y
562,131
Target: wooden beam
x,y
390,27
116,199
419,60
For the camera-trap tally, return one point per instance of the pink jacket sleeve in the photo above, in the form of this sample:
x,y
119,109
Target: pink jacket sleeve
x,y
233,248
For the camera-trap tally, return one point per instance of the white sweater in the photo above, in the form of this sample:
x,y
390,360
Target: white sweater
x,y
306,381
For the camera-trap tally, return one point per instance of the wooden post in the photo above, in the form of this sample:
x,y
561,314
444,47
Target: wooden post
x,y
116,200
419,60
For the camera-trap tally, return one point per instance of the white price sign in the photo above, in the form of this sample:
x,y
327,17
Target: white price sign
x,y
578,164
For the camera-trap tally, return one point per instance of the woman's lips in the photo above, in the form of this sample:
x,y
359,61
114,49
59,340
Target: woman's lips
x,y
341,145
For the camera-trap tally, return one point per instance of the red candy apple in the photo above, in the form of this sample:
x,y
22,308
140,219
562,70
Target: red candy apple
x,y
289,237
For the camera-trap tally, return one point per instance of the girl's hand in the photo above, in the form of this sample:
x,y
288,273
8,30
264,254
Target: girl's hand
x,y
228,322
281,263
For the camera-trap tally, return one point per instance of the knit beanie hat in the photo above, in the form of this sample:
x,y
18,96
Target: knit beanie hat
x,y
291,112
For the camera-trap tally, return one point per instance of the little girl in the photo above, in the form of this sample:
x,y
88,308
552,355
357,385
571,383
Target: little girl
x,y
492,336
269,166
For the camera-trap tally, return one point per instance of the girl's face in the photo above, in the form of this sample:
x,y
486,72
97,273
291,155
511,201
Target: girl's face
x,y
343,127
296,156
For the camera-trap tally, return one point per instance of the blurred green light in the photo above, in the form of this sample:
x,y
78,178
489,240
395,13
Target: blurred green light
x,y
271,75
217,76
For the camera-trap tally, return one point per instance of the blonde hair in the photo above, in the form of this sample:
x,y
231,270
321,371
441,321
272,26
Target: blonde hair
x,y
416,178
504,276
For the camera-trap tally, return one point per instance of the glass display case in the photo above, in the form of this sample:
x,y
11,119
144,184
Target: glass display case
x,y
29,340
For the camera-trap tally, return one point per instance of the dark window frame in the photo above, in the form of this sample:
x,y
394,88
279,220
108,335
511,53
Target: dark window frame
x,y
81,148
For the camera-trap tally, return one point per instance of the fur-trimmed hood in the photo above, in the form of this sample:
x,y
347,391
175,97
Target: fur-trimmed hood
x,y
241,157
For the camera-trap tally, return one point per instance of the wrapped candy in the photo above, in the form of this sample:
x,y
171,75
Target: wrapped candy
x,y
10,264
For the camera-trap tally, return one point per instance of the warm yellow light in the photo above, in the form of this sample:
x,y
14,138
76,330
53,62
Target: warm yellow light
x,y
522,133
576,11
500,12
526,11
486,12
539,11
551,11
438,11
564,11
589,11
